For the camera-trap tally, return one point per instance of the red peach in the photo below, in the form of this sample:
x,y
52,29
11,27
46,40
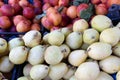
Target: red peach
x,y
7,10
23,26
63,3
17,19
55,18
46,6
35,26
101,9
72,12
4,22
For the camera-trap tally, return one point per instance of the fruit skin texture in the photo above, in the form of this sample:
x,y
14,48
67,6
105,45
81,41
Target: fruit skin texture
x,y
104,76
80,25
116,49
55,18
87,71
5,64
74,40
4,22
110,2
7,10
101,22
15,42
36,55
51,53
72,12
95,1
56,38
63,2
56,70
26,69
32,38
23,26
3,46
101,9
110,36
90,36
118,75
41,71
28,13
77,57
18,55
17,19
113,62
99,50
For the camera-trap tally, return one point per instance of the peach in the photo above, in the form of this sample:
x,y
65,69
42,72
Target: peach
x,y
17,19
4,22
28,13
46,6
53,2
55,18
46,23
23,26
72,12
7,10
101,9
95,1
35,26
63,2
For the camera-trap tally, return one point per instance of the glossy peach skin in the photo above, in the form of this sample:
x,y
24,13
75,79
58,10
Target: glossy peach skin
x,y
72,12
23,26
5,22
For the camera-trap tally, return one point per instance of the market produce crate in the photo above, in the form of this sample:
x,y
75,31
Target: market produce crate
x,y
114,14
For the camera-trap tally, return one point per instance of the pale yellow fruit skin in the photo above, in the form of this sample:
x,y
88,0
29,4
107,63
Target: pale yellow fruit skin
x,y
116,49
5,64
70,73
80,25
3,45
56,38
66,31
65,50
26,69
18,55
101,22
104,76
24,78
109,36
118,25
39,72
87,71
32,38
15,42
110,64
90,36
45,38
74,40
36,55
77,57
99,50
58,71
53,55
73,78
118,75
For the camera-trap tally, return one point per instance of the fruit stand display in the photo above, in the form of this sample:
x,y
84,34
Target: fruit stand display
x,y
59,39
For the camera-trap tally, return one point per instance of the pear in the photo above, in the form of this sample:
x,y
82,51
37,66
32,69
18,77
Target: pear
x,y
32,38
